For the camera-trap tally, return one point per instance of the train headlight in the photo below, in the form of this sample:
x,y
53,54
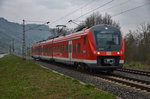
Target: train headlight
x,y
118,53
98,53
106,28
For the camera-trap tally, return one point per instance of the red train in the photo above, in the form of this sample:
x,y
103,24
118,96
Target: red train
x,y
100,47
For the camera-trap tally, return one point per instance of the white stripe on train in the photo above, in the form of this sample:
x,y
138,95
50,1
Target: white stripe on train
x,y
62,59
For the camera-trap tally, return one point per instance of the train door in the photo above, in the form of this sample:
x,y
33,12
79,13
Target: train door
x,y
70,51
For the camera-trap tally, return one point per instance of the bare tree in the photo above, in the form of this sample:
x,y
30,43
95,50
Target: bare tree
x,y
97,18
138,46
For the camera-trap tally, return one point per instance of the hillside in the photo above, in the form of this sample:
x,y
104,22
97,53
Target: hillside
x,y
11,30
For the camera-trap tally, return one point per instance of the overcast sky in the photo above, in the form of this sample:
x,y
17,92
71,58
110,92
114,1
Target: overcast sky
x,y
52,10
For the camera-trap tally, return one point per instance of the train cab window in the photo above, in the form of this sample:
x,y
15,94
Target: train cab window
x,y
74,48
79,48
66,48
84,40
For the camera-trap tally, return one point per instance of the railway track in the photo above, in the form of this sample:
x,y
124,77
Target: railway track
x,y
128,81
131,82
145,73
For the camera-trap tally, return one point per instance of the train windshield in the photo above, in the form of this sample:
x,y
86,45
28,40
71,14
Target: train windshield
x,y
107,38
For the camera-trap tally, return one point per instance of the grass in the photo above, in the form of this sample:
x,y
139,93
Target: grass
x,y
89,85
24,79
136,65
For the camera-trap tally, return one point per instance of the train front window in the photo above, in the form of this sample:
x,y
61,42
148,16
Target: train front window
x,y
103,38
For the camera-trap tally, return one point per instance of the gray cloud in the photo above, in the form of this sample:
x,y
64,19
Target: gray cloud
x,y
1,2
51,10
60,4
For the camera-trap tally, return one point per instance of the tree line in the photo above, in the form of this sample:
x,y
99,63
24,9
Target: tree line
x,y
137,45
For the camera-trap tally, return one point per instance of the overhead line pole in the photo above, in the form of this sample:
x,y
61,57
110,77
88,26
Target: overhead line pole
x,y
23,38
23,41
13,46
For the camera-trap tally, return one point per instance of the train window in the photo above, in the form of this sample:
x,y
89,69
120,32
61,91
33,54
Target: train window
x,y
84,40
56,48
74,48
50,49
79,47
60,49
53,48
66,48
63,48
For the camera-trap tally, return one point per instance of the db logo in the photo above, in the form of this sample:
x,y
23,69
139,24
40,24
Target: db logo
x,y
108,53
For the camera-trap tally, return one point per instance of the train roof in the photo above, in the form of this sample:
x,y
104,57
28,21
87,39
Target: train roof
x,y
102,27
61,38
74,35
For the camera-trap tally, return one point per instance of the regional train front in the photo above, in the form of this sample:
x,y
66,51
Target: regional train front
x,y
109,47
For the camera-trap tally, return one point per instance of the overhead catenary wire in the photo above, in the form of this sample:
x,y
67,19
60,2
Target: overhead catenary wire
x,y
114,6
37,26
70,13
36,21
128,10
119,12
94,9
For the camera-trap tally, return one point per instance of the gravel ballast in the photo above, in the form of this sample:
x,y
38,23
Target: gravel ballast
x,y
136,76
117,89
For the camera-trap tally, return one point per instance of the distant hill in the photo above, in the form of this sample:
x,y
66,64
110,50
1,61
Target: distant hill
x,y
11,30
